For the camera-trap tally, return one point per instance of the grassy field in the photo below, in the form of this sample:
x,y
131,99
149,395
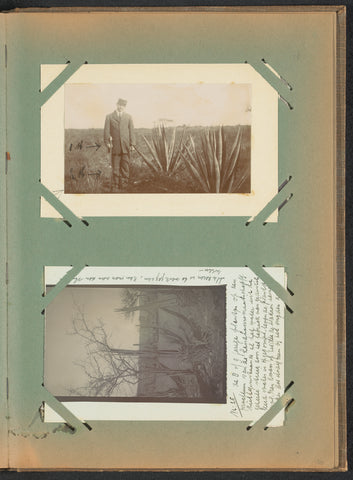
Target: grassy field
x,y
88,163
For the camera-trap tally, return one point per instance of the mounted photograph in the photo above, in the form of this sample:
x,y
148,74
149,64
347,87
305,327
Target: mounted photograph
x,y
158,138
148,343
164,343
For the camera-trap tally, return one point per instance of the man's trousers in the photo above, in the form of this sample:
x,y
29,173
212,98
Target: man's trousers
x,y
121,171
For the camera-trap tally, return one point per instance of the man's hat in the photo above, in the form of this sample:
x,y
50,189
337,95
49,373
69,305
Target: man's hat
x,y
122,102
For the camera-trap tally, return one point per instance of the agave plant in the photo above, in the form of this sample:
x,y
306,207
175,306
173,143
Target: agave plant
x,y
165,155
214,164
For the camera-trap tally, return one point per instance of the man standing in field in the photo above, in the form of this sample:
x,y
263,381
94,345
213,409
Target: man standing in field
x,y
119,138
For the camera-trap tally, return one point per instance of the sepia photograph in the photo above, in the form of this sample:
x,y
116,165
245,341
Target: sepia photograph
x,y
137,344
158,138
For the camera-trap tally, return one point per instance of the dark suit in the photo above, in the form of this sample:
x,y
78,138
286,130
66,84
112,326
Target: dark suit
x,y
121,131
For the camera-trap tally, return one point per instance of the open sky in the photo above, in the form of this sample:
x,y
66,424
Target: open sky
x,y
86,105
62,349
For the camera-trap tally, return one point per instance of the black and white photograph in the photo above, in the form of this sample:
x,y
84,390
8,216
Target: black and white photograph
x,y
158,138
202,343
137,344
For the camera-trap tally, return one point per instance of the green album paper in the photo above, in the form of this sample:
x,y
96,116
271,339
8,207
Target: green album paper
x,y
172,215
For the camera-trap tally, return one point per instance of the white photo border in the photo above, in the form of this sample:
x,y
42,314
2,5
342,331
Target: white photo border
x,y
180,276
264,144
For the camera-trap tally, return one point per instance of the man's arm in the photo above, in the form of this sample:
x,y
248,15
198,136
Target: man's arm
x,y
132,133
107,131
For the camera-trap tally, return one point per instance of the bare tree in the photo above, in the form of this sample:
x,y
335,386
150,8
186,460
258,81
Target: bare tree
x,y
107,372
130,299
173,357
112,371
